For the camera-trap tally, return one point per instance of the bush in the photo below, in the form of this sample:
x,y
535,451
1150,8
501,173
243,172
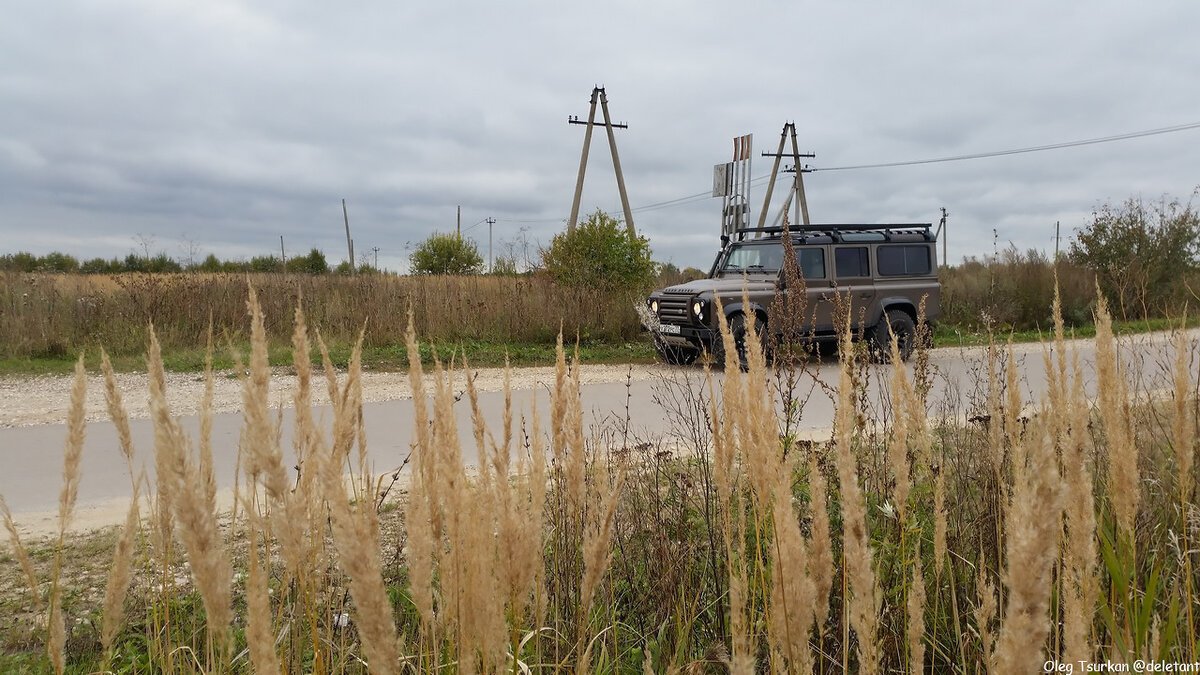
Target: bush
x,y
313,263
600,254
1142,254
446,254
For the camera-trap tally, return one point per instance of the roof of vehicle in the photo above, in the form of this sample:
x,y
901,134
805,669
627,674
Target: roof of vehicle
x,y
846,232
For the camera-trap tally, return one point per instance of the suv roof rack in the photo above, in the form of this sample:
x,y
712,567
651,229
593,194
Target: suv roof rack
x,y
840,227
835,230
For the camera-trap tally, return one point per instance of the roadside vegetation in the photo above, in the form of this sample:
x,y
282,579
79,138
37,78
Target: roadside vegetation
x,y
979,533
1144,257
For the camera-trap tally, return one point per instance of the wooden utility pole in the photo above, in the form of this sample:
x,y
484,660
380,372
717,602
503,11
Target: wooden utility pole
x,y
490,221
282,255
598,95
349,241
458,228
797,192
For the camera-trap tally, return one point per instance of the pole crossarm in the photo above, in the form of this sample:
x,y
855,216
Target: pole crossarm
x,y
599,96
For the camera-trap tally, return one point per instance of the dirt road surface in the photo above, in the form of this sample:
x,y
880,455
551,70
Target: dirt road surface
x,y
624,404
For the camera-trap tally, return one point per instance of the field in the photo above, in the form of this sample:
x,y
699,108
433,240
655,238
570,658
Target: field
x,y
995,537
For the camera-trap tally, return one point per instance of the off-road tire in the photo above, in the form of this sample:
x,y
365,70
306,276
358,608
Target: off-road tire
x,y
906,336
737,328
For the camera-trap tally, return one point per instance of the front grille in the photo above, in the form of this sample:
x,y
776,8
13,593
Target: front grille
x,y
673,310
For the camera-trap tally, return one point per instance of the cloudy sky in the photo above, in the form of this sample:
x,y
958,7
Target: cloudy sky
x,y
191,127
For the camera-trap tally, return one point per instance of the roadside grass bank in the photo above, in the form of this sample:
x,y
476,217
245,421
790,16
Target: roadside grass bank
x,y
1061,529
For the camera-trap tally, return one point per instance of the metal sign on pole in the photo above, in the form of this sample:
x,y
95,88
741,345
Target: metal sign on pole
x,y
732,182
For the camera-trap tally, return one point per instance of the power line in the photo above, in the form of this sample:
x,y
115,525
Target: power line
x,y
701,196
1019,151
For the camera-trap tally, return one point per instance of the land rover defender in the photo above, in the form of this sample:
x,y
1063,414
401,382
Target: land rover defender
x,y
883,272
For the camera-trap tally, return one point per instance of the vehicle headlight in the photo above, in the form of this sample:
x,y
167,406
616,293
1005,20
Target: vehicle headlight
x,y
700,310
654,307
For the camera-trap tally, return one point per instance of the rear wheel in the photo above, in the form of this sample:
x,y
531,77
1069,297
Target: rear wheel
x,y
905,330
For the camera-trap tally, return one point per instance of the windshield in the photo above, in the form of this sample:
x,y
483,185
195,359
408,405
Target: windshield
x,y
754,258
767,257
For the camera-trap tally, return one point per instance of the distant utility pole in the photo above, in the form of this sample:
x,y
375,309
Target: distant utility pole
x,y
490,221
282,255
349,241
375,250
943,232
599,95
459,228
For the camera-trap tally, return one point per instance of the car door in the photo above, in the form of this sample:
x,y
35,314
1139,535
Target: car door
x,y
853,280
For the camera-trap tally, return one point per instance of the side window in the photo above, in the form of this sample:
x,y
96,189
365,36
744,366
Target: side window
x,y
897,261
812,262
852,262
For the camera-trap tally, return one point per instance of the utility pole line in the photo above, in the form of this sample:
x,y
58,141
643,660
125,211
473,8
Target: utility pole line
x,y
349,241
598,95
490,221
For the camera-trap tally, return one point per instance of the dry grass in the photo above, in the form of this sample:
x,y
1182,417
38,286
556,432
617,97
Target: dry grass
x,y
904,544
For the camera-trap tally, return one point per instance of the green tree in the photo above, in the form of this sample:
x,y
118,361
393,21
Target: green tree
x,y
505,266
602,254
446,254
264,263
1142,254
58,262
313,263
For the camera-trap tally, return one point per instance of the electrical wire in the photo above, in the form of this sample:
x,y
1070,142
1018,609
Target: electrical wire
x,y
1019,151
701,196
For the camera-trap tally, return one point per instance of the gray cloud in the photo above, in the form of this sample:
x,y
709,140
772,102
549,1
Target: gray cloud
x,y
223,125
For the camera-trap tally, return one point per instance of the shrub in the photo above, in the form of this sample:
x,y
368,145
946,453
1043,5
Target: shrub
x,y
446,254
313,263
1141,252
600,254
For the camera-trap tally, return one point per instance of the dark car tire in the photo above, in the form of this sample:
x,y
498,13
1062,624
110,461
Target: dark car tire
x,y
737,328
906,336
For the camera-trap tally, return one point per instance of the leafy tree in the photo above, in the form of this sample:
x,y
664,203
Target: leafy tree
x,y
601,254
264,263
210,264
313,263
58,262
20,262
505,266
446,254
101,266
1142,254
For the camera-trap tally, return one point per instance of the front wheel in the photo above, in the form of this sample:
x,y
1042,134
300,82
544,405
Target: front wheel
x,y
905,330
739,331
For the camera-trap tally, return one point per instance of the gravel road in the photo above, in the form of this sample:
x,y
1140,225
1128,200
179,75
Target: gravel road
x,y
43,399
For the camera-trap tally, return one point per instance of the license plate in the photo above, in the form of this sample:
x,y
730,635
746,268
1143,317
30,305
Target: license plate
x,y
669,329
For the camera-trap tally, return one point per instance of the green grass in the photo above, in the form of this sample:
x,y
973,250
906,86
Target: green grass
x,y
485,353
377,358
953,336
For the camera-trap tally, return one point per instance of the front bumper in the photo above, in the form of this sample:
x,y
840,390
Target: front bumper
x,y
676,335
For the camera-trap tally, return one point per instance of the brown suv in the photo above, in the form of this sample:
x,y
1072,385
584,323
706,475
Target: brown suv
x,y
883,270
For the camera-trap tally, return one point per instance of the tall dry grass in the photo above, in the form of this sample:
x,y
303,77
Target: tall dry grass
x,y
48,315
1055,530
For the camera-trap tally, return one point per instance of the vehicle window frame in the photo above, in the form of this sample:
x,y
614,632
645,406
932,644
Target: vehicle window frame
x,y
864,261
886,270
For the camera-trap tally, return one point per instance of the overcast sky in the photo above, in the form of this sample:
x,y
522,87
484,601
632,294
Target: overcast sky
x,y
216,127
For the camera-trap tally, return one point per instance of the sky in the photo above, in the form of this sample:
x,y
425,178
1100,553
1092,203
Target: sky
x,y
190,128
